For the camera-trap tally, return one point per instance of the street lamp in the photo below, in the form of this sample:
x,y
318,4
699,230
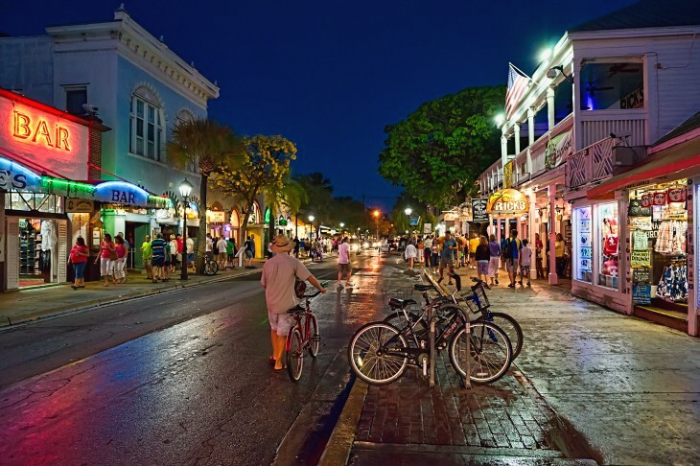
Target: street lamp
x,y
376,218
185,191
408,211
342,225
311,219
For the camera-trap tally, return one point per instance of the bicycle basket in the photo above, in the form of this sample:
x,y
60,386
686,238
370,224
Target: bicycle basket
x,y
480,292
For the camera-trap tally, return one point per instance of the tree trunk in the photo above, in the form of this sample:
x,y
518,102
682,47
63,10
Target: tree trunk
x,y
202,231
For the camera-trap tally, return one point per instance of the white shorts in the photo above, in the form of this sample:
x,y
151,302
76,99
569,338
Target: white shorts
x,y
106,267
280,323
494,265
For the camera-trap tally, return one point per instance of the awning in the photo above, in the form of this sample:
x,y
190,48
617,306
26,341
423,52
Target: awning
x,y
667,167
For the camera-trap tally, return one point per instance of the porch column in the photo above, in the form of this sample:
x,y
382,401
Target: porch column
x,y
516,128
530,137
553,279
498,229
531,234
550,108
504,149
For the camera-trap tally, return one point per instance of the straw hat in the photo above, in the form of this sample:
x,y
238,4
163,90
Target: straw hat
x,y
281,244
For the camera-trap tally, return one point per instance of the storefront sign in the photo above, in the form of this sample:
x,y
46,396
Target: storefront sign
x,y
559,148
480,211
14,176
640,259
508,179
640,275
427,228
635,99
413,221
641,294
636,209
77,206
120,192
507,202
216,216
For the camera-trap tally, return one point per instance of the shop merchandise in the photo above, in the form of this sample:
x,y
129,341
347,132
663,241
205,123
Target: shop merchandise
x,y
671,237
673,285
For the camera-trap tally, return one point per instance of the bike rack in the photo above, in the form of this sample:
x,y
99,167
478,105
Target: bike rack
x,y
444,291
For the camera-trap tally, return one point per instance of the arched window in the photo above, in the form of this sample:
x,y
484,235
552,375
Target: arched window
x,y
147,122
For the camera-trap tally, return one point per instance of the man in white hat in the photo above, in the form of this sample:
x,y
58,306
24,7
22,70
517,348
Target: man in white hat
x,y
278,276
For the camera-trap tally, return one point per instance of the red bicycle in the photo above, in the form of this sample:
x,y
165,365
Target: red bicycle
x,y
303,336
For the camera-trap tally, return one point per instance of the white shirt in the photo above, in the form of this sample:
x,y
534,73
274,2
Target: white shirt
x,y
411,251
343,253
210,244
221,244
190,246
279,273
525,255
173,246
428,243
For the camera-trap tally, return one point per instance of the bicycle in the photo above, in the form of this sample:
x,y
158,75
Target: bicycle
x,y
379,353
303,336
211,267
447,311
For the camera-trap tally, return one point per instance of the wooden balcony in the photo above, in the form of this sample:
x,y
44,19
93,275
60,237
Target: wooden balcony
x,y
592,163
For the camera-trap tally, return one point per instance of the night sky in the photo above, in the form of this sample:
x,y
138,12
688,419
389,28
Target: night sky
x,y
329,75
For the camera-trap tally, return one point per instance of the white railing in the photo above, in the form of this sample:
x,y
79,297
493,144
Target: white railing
x,y
598,125
592,163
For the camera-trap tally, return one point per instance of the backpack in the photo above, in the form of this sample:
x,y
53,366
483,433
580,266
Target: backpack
x,y
508,248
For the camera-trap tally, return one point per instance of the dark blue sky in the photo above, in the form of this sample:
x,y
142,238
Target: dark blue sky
x,y
329,75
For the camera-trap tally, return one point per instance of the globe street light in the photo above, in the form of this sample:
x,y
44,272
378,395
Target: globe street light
x,y
376,218
342,225
185,191
408,211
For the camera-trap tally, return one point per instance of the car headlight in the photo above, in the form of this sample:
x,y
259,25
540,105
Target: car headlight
x,y
365,245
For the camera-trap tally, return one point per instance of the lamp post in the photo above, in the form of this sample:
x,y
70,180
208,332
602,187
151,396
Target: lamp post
x,y
311,219
408,211
376,219
185,191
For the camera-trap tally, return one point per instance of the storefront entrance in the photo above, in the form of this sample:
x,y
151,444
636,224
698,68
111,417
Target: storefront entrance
x,y
658,224
36,252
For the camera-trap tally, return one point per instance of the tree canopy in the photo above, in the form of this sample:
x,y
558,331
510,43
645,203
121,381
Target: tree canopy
x,y
438,152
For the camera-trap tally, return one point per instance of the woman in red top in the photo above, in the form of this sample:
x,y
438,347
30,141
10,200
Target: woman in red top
x,y
107,257
78,257
119,265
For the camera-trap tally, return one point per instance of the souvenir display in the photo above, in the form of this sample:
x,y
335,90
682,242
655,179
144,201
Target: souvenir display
x,y
583,246
673,285
609,245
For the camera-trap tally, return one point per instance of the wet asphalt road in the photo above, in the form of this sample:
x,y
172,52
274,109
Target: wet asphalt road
x,y
179,378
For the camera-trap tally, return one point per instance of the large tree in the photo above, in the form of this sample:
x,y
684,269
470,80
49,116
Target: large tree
x,y
320,198
263,172
211,147
438,152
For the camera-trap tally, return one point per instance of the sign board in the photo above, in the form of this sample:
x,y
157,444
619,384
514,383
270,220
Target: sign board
x,y
480,210
636,209
507,202
641,294
44,135
78,206
640,258
413,221
508,180
427,228
559,148
641,275
14,176
634,99
216,216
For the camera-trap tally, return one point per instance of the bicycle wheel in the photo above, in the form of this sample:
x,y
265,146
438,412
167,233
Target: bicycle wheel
x,y
295,355
510,326
210,268
490,353
369,357
315,342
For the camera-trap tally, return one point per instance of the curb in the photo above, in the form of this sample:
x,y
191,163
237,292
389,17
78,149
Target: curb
x,y
95,303
337,450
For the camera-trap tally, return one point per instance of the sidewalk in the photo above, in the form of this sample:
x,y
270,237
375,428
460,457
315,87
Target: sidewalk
x,y
590,383
27,305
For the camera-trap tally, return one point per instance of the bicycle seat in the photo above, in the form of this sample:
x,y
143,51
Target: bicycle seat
x,y
296,310
395,303
419,287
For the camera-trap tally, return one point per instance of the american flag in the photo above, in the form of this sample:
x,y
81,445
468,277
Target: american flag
x,y
517,85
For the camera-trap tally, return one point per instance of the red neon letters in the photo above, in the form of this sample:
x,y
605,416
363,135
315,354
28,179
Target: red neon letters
x,y
39,132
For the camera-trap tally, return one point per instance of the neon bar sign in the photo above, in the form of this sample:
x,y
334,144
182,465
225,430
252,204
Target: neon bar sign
x,y
38,131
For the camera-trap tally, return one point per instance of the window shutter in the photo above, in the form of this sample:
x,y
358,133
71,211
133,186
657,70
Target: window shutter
x,y
12,256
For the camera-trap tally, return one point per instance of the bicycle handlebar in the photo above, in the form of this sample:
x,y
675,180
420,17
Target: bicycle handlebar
x,y
479,281
309,296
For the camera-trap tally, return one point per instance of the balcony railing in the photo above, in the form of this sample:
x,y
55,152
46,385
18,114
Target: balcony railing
x,y
593,163
598,125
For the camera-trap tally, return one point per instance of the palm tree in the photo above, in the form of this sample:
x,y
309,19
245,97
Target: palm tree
x,y
291,197
211,147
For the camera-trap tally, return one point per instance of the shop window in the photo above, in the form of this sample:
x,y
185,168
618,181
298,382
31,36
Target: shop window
x,y
605,86
146,128
36,202
609,242
583,245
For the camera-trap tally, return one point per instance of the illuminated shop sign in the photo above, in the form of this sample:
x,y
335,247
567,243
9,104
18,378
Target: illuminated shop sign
x,y
40,131
16,177
507,202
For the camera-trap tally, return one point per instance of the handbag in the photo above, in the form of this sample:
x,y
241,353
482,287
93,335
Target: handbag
x,y
113,255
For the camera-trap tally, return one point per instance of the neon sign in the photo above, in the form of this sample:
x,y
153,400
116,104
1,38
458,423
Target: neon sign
x,y
38,131
15,176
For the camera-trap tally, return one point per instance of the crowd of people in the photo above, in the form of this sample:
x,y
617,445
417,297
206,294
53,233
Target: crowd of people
x,y
485,255
315,249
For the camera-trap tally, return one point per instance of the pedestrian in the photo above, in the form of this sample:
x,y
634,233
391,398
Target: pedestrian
x,y
410,253
221,248
128,248
302,247
560,253
511,254
120,264
538,256
158,259
420,247
106,258
278,278
209,246
167,263
344,264
78,257
525,261
435,256
473,244
297,247
173,253
249,250
189,246
494,261
147,254
482,256
447,254
230,252
428,251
